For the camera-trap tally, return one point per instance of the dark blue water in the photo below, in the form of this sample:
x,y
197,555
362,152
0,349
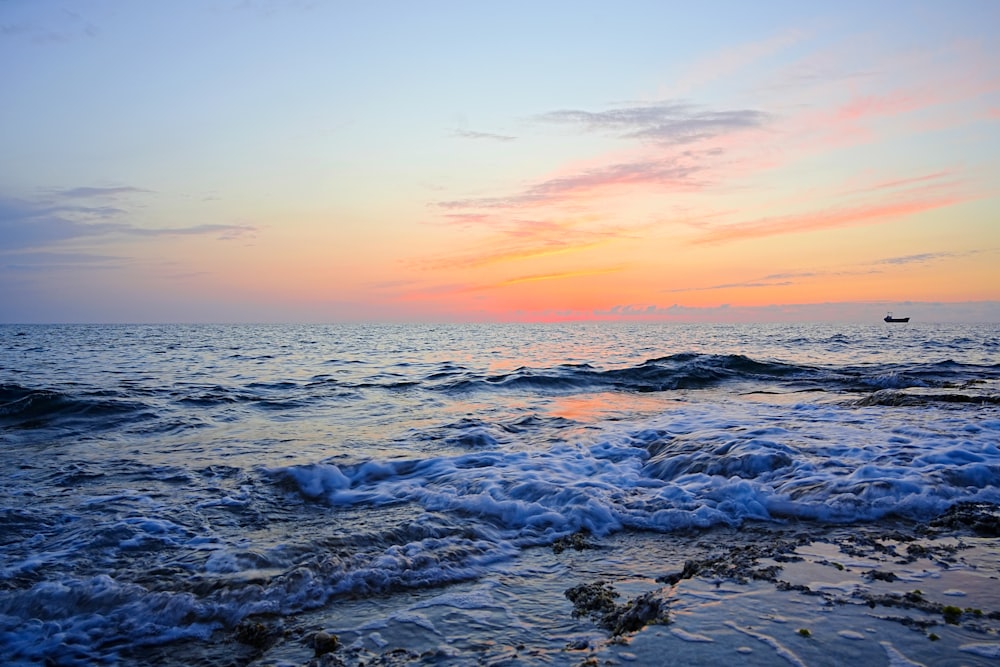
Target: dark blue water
x,y
162,484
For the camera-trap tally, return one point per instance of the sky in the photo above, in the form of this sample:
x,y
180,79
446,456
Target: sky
x,y
433,161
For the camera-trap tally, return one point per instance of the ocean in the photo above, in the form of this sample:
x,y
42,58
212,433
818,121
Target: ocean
x,y
417,494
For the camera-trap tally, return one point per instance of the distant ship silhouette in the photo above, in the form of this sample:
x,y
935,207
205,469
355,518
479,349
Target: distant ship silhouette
x,y
889,318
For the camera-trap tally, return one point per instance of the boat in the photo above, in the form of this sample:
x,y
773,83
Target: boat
x,y
889,318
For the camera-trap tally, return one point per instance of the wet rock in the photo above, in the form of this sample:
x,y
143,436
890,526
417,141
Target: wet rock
x,y
982,518
691,569
786,586
636,614
255,633
878,575
739,563
952,615
577,541
325,642
597,600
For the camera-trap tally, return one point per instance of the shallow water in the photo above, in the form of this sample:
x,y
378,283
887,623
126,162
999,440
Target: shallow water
x,y
164,483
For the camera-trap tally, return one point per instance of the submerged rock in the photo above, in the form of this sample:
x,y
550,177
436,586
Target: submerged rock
x,y
597,600
636,614
577,541
982,518
255,633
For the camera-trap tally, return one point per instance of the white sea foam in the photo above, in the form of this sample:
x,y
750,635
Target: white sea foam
x,y
896,657
695,469
780,649
983,649
680,633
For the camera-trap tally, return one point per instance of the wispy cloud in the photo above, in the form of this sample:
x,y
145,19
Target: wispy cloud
x,y
737,58
62,217
664,166
868,214
555,276
469,134
48,261
532,249
736,285
91,192
845,311
928,257
222,232
412,291
675,172
788,278
668,122
60,26
940,177
533,223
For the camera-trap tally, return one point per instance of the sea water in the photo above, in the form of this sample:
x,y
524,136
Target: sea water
x,y
402,485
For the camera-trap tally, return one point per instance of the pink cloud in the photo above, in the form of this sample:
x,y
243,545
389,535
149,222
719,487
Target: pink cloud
x,y
678,147
674,172
871,214
936,177
738,58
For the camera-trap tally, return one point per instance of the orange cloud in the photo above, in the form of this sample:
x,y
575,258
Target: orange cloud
x,y
543,245
448,292
553,276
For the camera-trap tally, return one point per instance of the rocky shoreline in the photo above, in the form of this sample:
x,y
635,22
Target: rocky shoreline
x,y
894,571
764,561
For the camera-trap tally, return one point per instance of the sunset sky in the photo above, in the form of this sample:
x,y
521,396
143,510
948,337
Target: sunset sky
x,y
267,161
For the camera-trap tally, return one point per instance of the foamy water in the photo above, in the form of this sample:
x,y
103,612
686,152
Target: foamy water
x,y
163,484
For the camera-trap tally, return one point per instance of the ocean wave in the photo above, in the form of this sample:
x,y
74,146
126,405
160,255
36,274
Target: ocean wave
x,y
678,371
894,398
705,470
27,408
694,371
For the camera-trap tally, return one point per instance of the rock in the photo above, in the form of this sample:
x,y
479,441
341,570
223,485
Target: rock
x,y
577,541
636,614
982,518
325,642
597,600
254,633
691,568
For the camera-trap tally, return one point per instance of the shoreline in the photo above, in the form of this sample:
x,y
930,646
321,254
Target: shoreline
x,y
896,593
